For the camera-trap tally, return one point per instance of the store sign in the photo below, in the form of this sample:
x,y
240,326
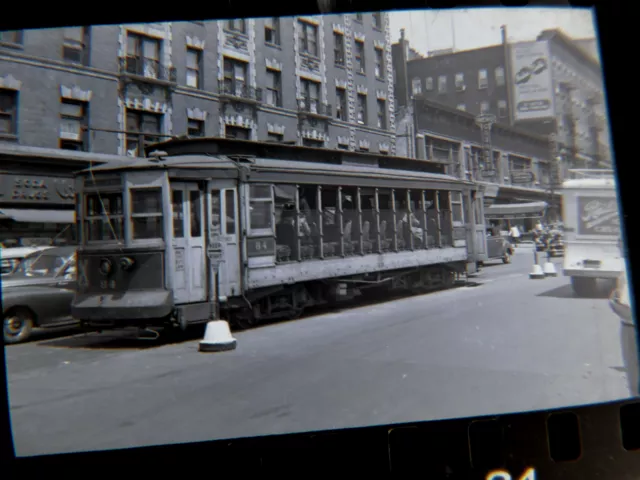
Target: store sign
x,y
531,83
522,176
36,189
598,216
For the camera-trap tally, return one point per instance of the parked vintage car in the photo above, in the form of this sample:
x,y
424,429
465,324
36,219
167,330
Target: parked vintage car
x,y
39,293
11,258
498,246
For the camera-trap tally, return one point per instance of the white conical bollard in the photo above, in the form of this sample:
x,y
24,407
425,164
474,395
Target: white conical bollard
x,y
537,271
550,269
217,338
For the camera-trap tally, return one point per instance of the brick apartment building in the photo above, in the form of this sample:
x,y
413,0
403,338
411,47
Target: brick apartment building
x,y
477,81
322,81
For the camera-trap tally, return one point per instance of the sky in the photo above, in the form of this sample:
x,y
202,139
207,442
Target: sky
x,y
480,27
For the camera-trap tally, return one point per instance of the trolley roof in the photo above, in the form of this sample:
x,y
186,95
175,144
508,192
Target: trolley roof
x,y
608,183
206,162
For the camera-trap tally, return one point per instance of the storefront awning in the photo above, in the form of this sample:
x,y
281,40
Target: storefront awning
x,y
39,216
516,210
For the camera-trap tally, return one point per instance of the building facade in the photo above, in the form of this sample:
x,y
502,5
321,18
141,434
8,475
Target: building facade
x,y
519,169
321,81
482,81
87,92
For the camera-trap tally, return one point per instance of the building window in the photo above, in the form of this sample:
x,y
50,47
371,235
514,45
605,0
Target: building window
x,y
338,49
362,109
459,82
499,73
194,68
13,37
143,128
272,31
143,55
429,84
8,112
462,107
484,107
442,84
195,128
483,80
377,20
382,114
75,47
310,142
416,86
308,38
358,17
73,125
274,87
236,25
502,108
342,112
239,133
360,65
235,77
275,137
379,71
310,95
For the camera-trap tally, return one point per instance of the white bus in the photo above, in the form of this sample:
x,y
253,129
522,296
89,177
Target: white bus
x,y
592,229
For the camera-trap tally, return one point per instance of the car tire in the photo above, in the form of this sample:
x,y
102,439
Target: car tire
x,y
17,326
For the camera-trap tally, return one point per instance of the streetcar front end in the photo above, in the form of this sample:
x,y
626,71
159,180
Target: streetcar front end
x,y
122,254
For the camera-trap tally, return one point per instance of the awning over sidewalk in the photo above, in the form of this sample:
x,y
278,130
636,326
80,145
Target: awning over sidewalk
x,y
516,210
39,216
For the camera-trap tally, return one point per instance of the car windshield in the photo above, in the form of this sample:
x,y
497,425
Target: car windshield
x,y
41,265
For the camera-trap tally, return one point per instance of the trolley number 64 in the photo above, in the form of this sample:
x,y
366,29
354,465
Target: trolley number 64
x,y
529,474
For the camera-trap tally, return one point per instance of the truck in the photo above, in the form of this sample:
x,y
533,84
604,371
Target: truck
x,y
592,230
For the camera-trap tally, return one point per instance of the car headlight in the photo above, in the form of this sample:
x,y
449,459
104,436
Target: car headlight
x,y
106,267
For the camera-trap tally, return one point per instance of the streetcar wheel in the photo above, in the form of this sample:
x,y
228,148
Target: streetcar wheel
x,y
17,327
584,287
244,319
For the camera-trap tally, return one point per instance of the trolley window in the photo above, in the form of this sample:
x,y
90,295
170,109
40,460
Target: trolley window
x,y
230,210
146,214
195,206
104,217
260,206
178,213
216,209
456,207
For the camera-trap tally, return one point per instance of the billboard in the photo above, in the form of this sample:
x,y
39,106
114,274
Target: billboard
x,y
531,81
598,216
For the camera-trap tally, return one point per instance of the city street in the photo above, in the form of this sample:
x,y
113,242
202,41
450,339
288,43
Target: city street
x,y
505,345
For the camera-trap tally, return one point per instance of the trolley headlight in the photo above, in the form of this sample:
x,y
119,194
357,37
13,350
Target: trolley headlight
x,y
126,263
106,267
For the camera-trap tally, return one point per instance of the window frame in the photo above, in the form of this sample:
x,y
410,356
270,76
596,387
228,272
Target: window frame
x,y
379,66
359,97
86,218
339,50
381,106
83,120
303,39
359,57
69,43
261,232
483,79
200,128
140,40
442,84
276,75
140,114
12,112
342,104
19,39
274,29
132,215
198,69
236,25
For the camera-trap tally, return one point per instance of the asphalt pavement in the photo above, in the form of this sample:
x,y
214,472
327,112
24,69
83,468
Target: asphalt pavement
x,y
506,345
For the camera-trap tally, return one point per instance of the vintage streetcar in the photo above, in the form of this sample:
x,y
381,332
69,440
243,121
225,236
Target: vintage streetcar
x,y
262,231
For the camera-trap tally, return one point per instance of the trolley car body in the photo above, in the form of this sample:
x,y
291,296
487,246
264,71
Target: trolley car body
x,y
155,233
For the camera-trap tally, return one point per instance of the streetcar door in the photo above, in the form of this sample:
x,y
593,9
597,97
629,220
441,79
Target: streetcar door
x,y
189,284
224,236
